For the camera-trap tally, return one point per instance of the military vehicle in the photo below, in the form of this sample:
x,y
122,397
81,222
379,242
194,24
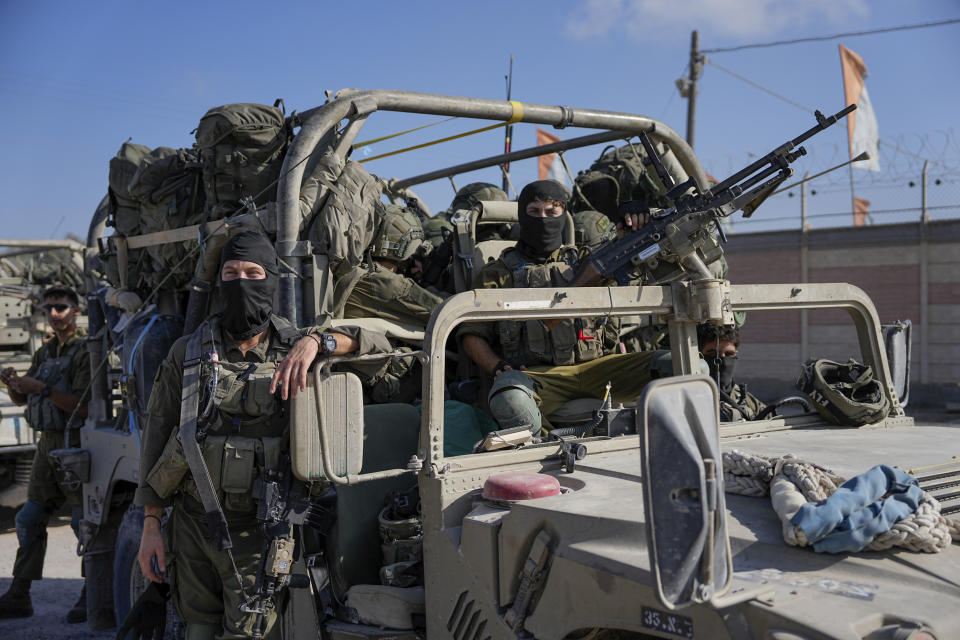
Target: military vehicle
x,y
26,268
621,529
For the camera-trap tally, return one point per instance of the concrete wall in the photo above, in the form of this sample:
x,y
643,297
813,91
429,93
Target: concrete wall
x,y
911,271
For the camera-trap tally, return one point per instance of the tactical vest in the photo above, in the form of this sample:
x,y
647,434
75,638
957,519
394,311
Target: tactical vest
x,y
528,342
245,427
41,413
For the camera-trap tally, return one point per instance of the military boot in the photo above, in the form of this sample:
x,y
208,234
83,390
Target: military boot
x,y
15,603
79,611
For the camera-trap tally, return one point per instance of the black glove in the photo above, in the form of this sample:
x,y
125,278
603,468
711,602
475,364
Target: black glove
x,y
148,616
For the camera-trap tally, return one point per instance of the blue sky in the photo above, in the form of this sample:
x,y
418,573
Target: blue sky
x,y
78,79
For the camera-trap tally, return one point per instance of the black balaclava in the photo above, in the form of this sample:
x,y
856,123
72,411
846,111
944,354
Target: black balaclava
x,y
247,304
721,370
539,237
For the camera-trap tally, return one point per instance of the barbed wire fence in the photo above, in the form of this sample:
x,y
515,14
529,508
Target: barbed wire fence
x,y
895,194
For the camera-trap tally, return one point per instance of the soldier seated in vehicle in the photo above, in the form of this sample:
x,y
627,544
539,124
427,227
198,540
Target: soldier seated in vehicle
x,y
720,347
538,367
385,292
239,367
53,389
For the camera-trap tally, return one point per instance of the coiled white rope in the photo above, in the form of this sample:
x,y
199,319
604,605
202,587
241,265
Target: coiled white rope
x,y
791,483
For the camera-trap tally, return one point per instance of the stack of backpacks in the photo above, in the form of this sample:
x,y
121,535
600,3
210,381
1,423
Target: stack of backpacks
x,y
238,154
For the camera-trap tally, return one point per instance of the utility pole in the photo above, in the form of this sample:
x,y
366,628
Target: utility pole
x,y
690,85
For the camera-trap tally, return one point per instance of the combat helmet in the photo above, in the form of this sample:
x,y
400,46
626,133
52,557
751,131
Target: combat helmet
x,y
845,394
592,229
435,229
476,192
399,236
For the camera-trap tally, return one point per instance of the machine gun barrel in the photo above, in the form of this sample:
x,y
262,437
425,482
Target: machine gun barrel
x,y
682,235
822,124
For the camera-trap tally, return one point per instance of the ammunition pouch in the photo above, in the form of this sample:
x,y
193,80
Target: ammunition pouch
x,y
41,413
234,463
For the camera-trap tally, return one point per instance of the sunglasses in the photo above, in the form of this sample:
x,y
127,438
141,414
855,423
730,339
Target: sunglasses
x,y
60,307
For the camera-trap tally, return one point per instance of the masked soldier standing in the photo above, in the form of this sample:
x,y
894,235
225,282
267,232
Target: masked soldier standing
x,y
238,368
52,389
539,366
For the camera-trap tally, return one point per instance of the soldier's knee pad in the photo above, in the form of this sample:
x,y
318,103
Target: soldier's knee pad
x,y
512,403
31,521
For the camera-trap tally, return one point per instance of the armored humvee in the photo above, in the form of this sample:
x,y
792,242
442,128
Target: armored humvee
x,y
636,537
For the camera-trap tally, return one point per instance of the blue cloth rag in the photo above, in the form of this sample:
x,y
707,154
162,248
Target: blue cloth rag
x,y
854,515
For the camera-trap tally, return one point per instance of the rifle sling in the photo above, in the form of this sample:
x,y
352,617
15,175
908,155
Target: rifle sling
x,y
217,530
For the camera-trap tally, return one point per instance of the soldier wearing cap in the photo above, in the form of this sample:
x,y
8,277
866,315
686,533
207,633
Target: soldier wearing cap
x,y
53,389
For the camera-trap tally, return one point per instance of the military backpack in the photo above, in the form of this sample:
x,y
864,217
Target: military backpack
x,y
619,175
241,147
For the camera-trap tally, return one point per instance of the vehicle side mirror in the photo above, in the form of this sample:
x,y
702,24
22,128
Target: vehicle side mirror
x,y
896,340
326,429
683,503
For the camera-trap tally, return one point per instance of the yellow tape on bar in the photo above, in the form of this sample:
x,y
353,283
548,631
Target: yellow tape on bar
x,y
517,116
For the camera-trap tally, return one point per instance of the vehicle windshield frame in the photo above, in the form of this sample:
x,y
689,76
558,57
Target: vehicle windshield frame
x,y
666,301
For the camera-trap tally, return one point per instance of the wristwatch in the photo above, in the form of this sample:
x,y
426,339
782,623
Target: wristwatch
x,y
46,391
328,343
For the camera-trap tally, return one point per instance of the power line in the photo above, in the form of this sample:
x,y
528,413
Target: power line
x,y
760,87
833,37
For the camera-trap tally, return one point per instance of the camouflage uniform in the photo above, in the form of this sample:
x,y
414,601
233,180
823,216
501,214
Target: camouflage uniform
x,y
383,293
747,406
67,369
245,418
574,359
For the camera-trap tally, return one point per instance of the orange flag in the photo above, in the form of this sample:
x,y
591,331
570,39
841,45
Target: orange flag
x,y
862,131
547,168
860,211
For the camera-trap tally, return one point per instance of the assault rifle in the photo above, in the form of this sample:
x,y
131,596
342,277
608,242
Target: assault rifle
x,y
276,562
282,503
679,242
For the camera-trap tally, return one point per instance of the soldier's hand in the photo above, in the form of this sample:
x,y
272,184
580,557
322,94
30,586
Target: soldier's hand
x,y
25,384
7,374
503,365
151,546
633,221
291,373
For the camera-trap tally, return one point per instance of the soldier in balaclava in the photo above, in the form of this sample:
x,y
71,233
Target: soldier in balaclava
x,y
537,366
238,369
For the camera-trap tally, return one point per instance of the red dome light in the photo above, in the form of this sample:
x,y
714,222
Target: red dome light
x,y
517,485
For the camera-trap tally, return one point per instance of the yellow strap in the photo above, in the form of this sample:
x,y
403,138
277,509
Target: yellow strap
x,y
517,116
366,143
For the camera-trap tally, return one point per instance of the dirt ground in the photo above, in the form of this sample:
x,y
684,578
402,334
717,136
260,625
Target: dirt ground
x,y
55,594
